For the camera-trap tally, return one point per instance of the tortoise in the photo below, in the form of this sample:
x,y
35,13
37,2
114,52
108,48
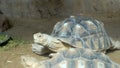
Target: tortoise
x,y
76,32
76,29
72,58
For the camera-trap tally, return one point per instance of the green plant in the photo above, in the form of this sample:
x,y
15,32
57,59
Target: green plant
x,y
12,44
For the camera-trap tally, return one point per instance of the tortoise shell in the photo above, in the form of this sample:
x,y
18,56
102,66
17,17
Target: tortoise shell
x,y
82,32
76,58
72,58
80,58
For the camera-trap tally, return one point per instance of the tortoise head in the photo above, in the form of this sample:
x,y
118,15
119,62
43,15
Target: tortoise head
x,y
40,38
31,62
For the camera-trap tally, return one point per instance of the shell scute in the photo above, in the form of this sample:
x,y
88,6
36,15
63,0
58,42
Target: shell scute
x,y
86,58
82,32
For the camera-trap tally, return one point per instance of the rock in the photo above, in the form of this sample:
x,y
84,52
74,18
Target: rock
x,y
48,8
33,8
4,23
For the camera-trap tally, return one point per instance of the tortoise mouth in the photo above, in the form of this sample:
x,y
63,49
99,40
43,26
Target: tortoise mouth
x,y
36,43
36,40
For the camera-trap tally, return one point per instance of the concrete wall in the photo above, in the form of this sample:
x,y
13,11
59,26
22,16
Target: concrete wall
x,y
33,8
97,6
47,8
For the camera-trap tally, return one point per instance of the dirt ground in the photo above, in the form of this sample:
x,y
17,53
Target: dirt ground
x,y
24,29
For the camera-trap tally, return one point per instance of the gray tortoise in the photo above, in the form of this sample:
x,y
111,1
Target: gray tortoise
x,y
72,58
77,32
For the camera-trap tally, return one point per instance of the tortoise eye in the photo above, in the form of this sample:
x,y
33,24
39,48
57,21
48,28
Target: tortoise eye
x,y
39,36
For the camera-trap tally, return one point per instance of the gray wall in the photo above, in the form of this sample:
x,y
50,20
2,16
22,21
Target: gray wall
x,y
97,6
33,8
47,8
